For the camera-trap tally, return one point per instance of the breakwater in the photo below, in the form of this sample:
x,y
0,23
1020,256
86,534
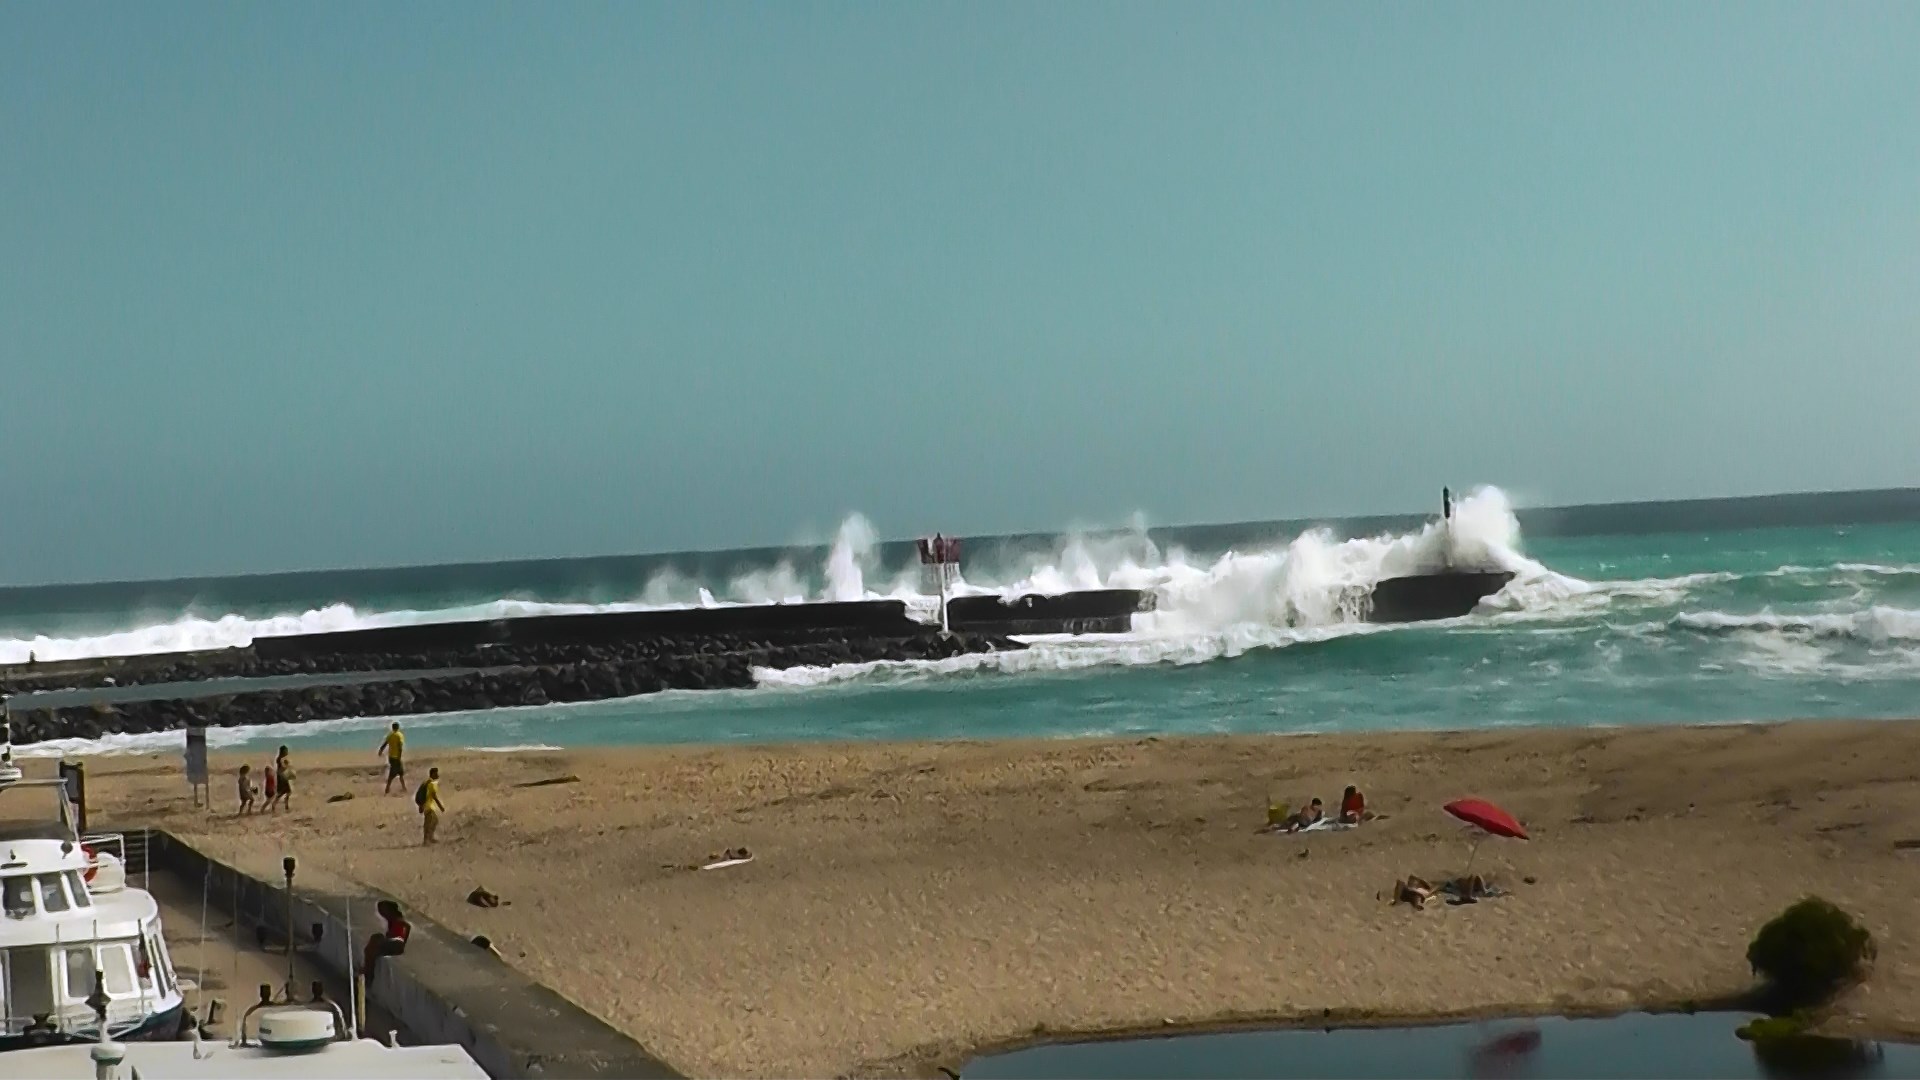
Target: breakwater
x,y
1445,595
637,669
558,659
864,626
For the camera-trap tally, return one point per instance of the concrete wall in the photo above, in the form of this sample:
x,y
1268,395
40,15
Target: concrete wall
x,y
1446,595
1090,604
443,989
865,618
1098,610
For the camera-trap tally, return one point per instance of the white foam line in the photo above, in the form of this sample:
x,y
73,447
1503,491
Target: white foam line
x,y
522,748
221,738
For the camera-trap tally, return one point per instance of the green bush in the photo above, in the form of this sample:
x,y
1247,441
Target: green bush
x,y
1811,950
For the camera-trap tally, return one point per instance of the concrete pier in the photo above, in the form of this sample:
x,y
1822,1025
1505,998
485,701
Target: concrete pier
x,y
442,990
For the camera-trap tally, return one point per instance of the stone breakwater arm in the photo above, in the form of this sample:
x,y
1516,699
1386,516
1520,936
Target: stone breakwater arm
x,y
593,637
715,666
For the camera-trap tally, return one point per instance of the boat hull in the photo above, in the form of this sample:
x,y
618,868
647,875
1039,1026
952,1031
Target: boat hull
x,y
163,1026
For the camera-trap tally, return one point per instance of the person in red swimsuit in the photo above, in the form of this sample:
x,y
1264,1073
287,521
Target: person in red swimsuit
x,y
391,941
1353,806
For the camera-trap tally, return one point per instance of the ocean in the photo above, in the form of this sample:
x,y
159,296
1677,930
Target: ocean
x,y
1256,631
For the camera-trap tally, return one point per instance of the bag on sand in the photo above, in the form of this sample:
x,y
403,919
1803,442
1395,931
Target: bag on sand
x,y
420,797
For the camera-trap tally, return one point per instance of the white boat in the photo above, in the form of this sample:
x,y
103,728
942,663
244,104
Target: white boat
x,y
292,1042
358,1059
71,923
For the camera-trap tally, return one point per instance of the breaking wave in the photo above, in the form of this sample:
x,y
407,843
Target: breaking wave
x,y
1312,580
1291,590
1876,624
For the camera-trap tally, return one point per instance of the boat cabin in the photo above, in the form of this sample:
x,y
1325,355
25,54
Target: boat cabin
x,y
68,921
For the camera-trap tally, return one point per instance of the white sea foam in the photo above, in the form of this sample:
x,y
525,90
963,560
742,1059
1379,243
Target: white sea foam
x,y
1304,588
1879,623
1309,588
1310,580
517,748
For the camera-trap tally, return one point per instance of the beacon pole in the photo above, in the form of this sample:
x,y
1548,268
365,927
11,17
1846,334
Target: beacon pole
x,y
943,554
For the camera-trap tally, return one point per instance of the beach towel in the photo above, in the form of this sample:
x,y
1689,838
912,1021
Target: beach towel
x,y
1457,894
1323,825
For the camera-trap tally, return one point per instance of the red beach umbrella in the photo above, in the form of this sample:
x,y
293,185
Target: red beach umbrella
x,y
1486,817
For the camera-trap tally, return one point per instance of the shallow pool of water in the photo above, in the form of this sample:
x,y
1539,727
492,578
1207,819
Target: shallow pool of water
x,y
1694,1047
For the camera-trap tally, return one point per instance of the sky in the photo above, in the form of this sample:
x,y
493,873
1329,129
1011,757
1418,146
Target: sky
x,y
300,285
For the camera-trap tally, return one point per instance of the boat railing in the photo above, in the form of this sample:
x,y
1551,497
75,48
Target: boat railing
x,y
129,848
71,1020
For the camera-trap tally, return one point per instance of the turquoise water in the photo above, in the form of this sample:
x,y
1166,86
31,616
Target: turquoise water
x,y
1652,629
1634,1047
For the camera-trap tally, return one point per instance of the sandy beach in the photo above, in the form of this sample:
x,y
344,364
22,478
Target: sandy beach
x,y
910,903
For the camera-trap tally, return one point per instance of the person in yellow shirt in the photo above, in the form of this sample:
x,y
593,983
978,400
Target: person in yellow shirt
x,y
430,806
392,746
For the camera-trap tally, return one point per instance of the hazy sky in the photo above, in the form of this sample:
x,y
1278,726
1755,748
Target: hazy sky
x,y
288,285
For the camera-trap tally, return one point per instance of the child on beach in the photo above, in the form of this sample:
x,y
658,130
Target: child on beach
x,y
246,789
283,768
270,788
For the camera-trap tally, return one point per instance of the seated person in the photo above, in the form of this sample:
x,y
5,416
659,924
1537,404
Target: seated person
x,y
391,941
1312,815
1353,806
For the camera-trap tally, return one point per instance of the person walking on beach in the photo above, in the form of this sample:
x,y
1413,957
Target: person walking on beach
x,y
246,789
283,768
393,745
269,789
428,798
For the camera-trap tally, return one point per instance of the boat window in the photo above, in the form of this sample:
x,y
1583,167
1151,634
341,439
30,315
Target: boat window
x,y
117,962
80,967
53,895
29,981
16,896
78,887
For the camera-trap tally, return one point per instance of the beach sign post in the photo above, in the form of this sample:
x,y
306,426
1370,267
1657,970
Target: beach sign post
x,y
197,764
9,772
943,554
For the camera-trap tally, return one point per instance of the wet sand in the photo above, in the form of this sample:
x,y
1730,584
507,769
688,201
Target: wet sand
x,y
910,903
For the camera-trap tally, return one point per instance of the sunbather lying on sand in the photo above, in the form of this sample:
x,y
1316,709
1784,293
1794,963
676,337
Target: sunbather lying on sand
x,y
1417,891
1414,891
1312,815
